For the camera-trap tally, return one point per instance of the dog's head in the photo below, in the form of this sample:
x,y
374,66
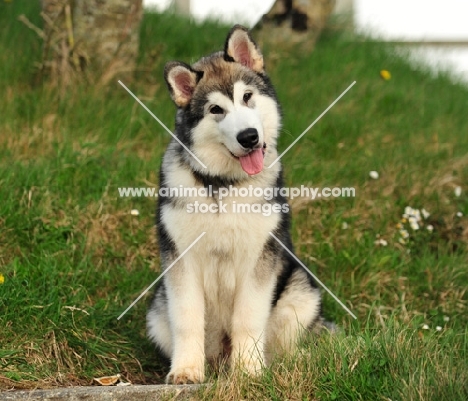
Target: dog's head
x,y
227,109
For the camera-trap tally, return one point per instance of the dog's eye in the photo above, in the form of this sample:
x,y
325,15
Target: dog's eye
x,y
216,110
247,97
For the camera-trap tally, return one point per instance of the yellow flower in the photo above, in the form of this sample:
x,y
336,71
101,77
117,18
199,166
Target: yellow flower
x,y
385,75
2,278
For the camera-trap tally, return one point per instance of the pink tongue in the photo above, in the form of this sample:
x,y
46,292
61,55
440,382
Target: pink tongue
x,y
252,163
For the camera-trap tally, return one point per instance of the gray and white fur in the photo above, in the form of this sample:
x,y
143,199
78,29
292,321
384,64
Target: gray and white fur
x,y
237,293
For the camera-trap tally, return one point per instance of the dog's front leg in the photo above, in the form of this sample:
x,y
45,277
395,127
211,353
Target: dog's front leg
x,y
186,314
251,311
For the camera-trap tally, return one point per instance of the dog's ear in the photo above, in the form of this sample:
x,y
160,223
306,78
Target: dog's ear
x,y
241,48
181,80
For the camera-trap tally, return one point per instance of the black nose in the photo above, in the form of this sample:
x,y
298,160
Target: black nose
x,y
248,138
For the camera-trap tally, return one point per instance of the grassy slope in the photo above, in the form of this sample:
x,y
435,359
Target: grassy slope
x,y
73,257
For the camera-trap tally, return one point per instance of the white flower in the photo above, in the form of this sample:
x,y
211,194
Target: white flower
x,y
404,233
459,214
134,212
430,228
402,241
381,241
413,213
425,327
425,213
446,318
458,191
409,211
438,328
415,226
374,175
417,215
344,225
413,223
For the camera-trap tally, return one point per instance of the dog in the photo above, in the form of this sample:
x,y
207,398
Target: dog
x,y
236,293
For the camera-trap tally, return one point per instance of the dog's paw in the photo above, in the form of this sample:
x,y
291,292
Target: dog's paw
x,y
186,375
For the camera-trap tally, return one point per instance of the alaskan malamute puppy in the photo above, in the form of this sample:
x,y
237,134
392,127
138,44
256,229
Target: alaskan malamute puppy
x,y
236,293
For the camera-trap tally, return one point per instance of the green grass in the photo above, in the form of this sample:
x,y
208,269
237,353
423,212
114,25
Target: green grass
x,y
73,258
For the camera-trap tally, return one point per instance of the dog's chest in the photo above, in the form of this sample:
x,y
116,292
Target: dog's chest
x,y
236,228
227,255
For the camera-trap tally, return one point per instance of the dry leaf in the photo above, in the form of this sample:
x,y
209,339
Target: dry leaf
x,y
107,380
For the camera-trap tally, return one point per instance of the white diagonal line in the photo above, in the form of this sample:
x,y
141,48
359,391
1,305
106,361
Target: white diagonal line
x,y
161,123
314,276
161,275
311,125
